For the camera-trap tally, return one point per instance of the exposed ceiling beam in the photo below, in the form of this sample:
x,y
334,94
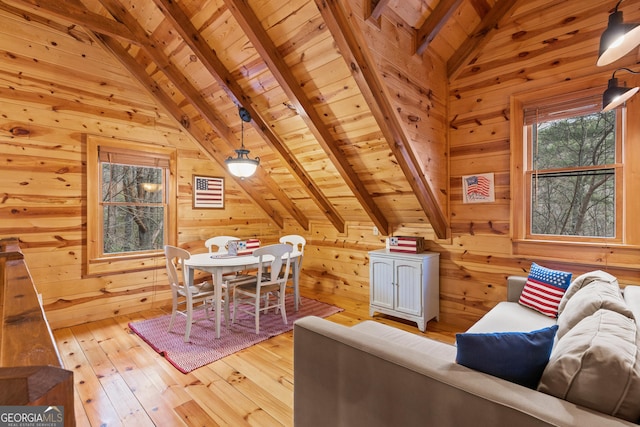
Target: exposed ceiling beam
x,y
377,7
478,38
195,98
174,14
261,41
434,23
77,15
351,43
173,110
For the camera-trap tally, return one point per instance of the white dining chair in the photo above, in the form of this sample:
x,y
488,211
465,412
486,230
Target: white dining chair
x,y
185,299
268,286
220,242
298,242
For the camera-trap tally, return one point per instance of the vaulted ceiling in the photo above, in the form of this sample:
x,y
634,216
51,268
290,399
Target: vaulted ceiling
x,y
335,138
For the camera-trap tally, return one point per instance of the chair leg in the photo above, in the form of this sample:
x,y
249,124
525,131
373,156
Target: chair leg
x,y
282,295
257,315
235,308
187,331
226,305
174,309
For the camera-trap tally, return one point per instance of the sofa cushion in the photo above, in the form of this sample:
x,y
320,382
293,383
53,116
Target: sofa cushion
x,y
511,317
397,338
544,289
519,357
587,300
632,298
584,280
596,365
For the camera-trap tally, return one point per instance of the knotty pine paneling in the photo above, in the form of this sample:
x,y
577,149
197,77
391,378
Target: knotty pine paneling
x,y
455,127
518,58
43,189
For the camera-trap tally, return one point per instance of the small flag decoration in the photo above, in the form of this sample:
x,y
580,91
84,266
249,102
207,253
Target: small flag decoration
x,y
410,245
478,188
243,247
246,247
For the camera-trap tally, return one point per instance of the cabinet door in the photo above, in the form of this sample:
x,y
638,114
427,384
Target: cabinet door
x,y
409,287
381,282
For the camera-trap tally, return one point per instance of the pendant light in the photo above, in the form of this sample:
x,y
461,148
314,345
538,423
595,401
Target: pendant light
x,y
242,166
618,39
616,95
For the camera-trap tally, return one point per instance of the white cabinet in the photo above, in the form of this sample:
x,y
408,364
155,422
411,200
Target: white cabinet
x,y
405,285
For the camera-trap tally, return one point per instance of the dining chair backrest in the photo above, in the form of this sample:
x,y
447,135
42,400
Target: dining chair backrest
x,y
220,242
278,252
296,241
175,258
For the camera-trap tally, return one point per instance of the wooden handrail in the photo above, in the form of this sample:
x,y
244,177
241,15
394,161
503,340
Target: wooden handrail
x,y
31,370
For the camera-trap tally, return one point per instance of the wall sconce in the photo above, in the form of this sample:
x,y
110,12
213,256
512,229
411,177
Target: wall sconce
x,y
242,166
618,39
616,95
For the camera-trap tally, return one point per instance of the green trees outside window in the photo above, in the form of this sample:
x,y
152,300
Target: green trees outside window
x,y
573,176
133,208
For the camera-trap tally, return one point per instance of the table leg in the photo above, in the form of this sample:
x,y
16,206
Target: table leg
x,y
218,290
296,279
188,275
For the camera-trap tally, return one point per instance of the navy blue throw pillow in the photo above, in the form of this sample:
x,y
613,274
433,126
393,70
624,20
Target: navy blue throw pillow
x,y
519,357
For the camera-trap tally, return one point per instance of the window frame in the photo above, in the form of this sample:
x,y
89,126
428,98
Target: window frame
x,y
593,251
96,261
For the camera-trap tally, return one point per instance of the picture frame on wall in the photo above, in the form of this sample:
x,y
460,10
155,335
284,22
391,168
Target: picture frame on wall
x,y
478,188
208,192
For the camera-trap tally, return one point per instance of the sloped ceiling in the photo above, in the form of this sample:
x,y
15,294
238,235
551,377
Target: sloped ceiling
x,y
332,143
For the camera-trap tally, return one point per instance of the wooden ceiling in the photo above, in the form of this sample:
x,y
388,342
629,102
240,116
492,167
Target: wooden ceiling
x,y
333,143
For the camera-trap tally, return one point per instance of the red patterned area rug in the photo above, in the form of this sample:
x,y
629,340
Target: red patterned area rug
x,y
203,348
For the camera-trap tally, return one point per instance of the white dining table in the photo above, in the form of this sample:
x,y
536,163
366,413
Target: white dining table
x,y
220,263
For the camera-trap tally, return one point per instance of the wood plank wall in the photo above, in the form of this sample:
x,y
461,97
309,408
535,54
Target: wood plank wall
x,y
42,188
480,256
43,193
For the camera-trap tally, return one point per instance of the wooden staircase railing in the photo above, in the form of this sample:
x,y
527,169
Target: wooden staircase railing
x,y
31,371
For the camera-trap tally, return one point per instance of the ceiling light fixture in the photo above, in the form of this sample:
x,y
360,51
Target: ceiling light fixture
x,y
242,166
618,39
616,95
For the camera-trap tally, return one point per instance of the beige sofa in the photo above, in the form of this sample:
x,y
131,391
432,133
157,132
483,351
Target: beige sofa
x,y
376,375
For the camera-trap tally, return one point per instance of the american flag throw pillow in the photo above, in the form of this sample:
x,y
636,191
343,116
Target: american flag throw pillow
x,y
544,289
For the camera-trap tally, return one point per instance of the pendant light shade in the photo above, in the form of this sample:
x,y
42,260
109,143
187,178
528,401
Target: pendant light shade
x,y
616,95
241,165
618,39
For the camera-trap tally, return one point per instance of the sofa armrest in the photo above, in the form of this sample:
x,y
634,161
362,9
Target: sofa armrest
x,y
515,285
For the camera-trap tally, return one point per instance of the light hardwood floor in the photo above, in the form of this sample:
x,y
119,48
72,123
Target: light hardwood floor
x,y
121,381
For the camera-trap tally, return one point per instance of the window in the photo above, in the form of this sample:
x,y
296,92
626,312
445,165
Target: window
x,y
133,200
129,214
574,176
572,171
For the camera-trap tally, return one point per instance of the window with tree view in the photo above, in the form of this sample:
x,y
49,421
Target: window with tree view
x,y
133,207
573,172
130,213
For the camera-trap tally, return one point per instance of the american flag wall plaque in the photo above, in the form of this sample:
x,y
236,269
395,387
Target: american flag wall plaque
x,y
478,188
208,192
